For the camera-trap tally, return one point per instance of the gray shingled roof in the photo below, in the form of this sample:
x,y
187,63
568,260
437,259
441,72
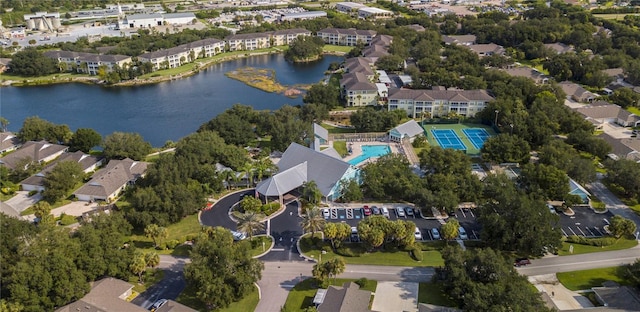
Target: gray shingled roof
x,y
349,298
86,57
86,161
410,128
179,49
320,132
104,297
323,169
8,141
36,151
112,177
349,31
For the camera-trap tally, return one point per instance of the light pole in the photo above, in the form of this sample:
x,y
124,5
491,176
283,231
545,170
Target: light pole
x,y
495,122
511,128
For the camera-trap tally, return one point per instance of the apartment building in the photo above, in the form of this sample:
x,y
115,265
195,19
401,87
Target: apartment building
x,y
249,42
439,101
286,36
346,37
177,56
88,63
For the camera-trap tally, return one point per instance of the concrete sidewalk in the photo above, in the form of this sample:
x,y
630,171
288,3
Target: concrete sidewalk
x,y
562,298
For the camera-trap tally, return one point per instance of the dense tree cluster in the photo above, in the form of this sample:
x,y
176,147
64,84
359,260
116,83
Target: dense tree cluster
x,y
45,267
222,271
369,119
304,48
623,176
31,62
483,280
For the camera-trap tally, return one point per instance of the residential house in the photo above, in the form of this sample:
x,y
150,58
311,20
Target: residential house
x,y
107,183
300,164
176,56
248,42
465,40
615,296
576,92
559,48
528,72
358,90
88,63
4,64
416,27
605,112
627,148
439,102
40,152
8,142
88,163
348,298
408,130
286,36
346,37
110,295
487,49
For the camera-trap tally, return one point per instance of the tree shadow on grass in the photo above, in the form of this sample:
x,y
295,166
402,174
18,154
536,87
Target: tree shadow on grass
x,y
143,244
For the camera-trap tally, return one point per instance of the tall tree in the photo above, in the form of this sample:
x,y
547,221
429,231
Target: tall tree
x,y
250,222
156,233
120,145
621,226
311,192
61,180
313,220
84,139
506,148
222,271
450,229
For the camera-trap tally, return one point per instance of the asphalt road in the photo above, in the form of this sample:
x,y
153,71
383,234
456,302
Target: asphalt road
x,y
218,215
171,284
612,202
596,260
285,229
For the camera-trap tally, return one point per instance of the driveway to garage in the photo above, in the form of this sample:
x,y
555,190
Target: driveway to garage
x,y
21,201
396,296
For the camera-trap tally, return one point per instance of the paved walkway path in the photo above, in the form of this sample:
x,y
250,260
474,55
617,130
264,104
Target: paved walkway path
x,y
562,297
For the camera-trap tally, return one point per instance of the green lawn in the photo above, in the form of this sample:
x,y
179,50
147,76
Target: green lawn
x,y
341,147
434,293
333,129
393,258
334,48
248,303
53,77
634,110
257,244
177,231
579,280
151,277
614,16
582,249
301,296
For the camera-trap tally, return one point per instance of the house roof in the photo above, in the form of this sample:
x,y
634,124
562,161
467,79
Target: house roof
x,y
472,95
324,169
179,15
624,148
462,39
86,57
8,141
348,31
416,27
105,296
112,177
180,49
9,210
294,31
527,72
348,298
622,297
575,90
559,47
85,161
320,132
600,109
36,151
614,72
172,306
248,36
484,48
410,128
331,152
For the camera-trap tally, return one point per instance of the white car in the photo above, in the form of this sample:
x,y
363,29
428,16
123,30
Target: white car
x,y
238,236
156,305
385,212
417,234
462,233
326,213
400,212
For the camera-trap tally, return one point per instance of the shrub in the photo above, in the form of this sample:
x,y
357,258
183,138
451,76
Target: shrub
x,y
172,244
416,253
326,248
191,237
8,191
362,282
270,208
345,251
598,242
31,193
66,219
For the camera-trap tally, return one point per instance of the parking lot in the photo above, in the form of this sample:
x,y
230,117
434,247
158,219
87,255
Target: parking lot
x,y
584,222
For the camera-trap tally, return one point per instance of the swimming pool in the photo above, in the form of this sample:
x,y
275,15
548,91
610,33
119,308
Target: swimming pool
x,y
369,151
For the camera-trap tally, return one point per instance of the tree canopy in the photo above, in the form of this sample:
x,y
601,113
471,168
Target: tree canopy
x,y
31,62
120,145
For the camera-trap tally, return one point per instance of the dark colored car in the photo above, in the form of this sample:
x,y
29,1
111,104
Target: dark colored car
x,y
409,211
375,210
521,262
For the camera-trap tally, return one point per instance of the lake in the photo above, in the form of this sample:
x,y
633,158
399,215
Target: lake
x,y
159,112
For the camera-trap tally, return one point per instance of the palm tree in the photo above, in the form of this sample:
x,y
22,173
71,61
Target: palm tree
x,y
247,169
313,221
227,176
262,167
311,191
250,222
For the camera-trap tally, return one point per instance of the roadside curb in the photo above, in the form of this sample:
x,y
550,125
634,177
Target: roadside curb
x,y
273,243
300,252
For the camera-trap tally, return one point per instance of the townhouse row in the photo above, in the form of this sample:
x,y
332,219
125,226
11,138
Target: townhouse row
x,y
169,58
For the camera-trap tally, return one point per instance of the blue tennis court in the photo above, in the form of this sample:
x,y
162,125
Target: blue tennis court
x,y
447,138
477,136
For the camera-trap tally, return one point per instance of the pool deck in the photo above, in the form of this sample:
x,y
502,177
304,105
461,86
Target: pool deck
x,y
357,150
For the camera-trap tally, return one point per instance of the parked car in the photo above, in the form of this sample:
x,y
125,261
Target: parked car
x,y
552,209
435,233
326,213
156,305
367,211
400,212
462,233
385,212
354,235
375,210
409,211
417,234
521,262
238,236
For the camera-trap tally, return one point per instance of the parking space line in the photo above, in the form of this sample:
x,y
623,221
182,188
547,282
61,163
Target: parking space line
x,y
581,231
464,215
563,232
590,231
471,212
596,228
474,234
570,229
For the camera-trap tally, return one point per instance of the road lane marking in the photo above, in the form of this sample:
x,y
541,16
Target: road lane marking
x,y
277,249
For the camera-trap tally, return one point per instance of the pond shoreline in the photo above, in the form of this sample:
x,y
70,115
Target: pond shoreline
x,y
92,80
